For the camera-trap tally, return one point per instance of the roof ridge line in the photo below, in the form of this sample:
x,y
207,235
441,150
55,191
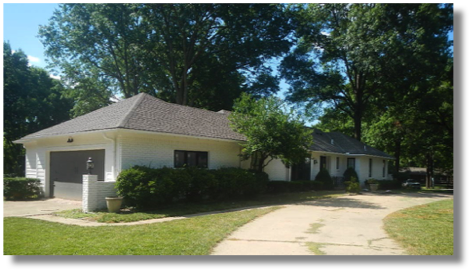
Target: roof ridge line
x,y
125,119
192,107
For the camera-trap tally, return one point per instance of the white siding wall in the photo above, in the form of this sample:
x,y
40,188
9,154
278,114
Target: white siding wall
x,y
361,166
276,170
156,150
377,169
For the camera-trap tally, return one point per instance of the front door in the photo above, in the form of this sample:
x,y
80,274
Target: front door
x,y
323,163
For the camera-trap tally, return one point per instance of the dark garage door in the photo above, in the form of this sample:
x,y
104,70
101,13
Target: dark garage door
x,y
67,168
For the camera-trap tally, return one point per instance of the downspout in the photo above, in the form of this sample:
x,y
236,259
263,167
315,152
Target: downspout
x,y
114,151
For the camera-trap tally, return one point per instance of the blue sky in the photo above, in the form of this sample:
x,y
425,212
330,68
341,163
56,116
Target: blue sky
x,y
20,28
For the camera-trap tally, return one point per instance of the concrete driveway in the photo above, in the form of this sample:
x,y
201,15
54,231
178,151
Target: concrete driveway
x,y
38,207
347,225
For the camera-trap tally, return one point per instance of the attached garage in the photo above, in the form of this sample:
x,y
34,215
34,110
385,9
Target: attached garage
x,y
67,168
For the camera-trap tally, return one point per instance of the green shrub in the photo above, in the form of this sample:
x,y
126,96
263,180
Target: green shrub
x,y
277,186
203,184
146,188
138,187
237,182
21,188
349,174
324,177
352,186
229,183
260,184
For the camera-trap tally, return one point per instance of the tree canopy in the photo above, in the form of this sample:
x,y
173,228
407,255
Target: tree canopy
x,y
272,131
351,56
32,101
183,53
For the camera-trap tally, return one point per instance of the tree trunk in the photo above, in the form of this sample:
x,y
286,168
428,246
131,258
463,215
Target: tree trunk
x,y
398,145
261,164
358,113
429,170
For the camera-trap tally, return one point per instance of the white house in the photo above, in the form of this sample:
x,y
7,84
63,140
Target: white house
x,y
144,130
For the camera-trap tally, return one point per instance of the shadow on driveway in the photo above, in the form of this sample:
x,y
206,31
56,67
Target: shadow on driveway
x,y
372,200
342,202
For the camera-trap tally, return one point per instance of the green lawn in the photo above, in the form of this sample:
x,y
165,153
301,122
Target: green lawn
x,y
193,236
425,229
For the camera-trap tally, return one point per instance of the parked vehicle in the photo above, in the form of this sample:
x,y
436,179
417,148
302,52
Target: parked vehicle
x,y
411,183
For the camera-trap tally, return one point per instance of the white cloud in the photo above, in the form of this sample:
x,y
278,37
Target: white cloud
x,y
55,76
33,59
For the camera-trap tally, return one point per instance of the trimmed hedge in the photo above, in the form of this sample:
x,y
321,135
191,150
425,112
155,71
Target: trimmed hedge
x,y
21,188
146,188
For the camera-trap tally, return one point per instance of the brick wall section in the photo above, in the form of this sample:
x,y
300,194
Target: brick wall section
x,y
94,193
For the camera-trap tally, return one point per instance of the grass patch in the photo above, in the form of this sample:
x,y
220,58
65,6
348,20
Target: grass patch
x,y
425,229
314,228
193,236
315,248
192,208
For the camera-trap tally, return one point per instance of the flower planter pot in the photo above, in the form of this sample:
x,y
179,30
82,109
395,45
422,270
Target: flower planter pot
x,y
374,187
113,204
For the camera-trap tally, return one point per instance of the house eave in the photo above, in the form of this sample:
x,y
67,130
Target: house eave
x,y
120,130
33,139
353,155
125,130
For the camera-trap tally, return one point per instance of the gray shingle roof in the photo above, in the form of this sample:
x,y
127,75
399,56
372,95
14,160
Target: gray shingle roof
x,y
336,142
147,113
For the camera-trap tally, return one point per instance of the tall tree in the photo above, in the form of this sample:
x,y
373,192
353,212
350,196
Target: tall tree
x,y
173,51
350,55
272,131
32,101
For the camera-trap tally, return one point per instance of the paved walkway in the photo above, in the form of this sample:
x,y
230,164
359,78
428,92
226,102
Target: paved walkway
x,y
348,225
37,207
